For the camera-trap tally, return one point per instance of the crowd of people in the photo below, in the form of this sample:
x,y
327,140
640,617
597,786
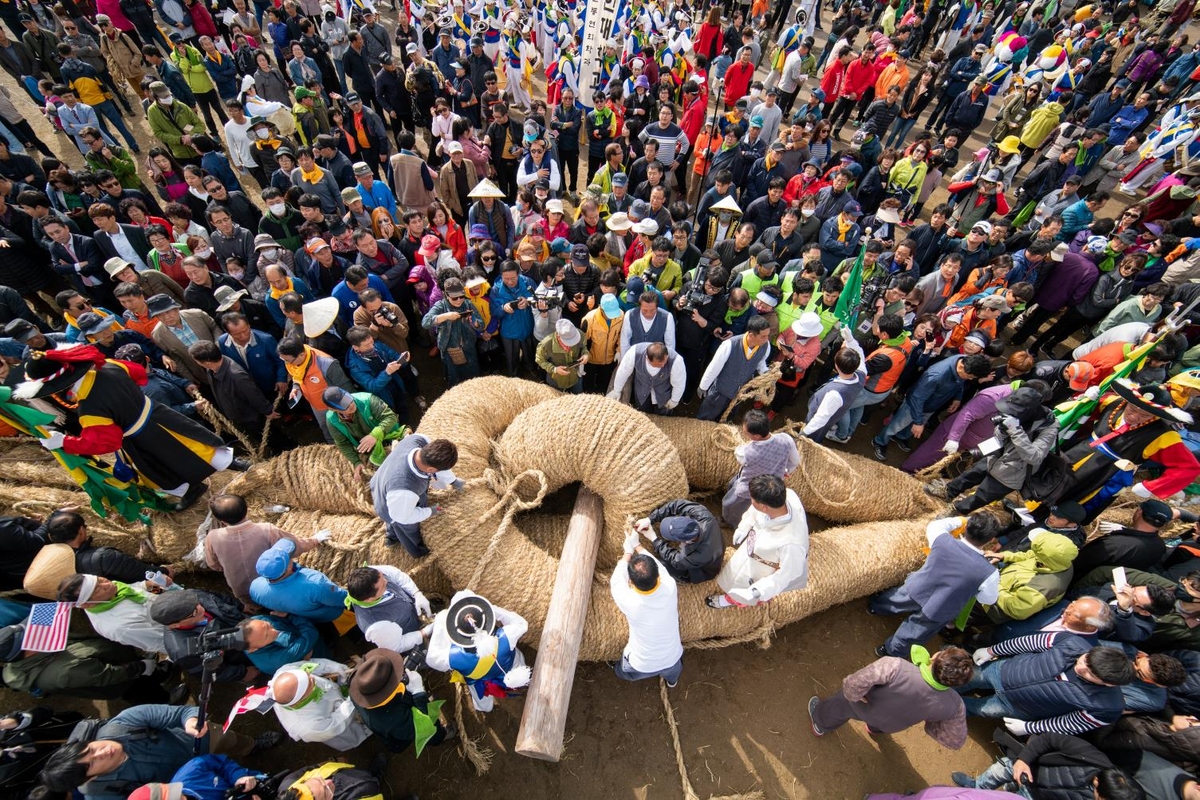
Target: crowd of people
x,y
334,217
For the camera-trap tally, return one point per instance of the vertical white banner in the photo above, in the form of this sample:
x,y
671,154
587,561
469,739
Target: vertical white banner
x,y
599,22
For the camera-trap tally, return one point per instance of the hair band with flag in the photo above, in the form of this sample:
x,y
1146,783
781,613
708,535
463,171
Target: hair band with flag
x,y
46,630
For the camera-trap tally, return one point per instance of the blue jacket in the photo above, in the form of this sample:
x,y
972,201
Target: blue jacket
x,y
152,759
305,593
172,76
262,362
518,325
965,70
170,390
348,298
224,76
1024,270
370,375
210,777
834,250
1102,109
938,386
297,638
380,195
1076,217
217,164
300,288
1124,123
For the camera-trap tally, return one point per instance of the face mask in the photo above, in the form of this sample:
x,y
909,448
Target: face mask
x,y
166,101
269,253
235,273
277,208
808,212
264,133
203,253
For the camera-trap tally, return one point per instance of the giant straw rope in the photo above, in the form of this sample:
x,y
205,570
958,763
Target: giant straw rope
x,y
519,442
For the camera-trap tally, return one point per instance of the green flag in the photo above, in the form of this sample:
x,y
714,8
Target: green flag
x,y
425,723
1072,413
846,309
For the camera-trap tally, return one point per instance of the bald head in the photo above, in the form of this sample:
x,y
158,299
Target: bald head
x,y
290,687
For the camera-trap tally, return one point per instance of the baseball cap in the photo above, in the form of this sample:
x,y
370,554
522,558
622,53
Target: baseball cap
x,y
1079,375
1156,512
275,559
679,529
853,209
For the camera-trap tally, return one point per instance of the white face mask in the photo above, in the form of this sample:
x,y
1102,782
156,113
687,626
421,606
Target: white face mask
x,y
264,133
269,253
203,253
277,208
808,212
166,101
235,273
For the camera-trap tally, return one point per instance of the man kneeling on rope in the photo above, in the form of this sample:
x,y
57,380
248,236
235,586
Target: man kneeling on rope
x,y
772,548
688,541
360,423
400,488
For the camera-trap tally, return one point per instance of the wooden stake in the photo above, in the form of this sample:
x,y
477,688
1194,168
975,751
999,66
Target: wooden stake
x,y
545,718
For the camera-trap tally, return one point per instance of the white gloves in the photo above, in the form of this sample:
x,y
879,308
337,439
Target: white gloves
x,y
413,681
950,447
614,395
323,536
739,536
1140,490
743,596
642,525
1106,526
54,441
421,603
1092,393
1017,727
670,404
982,656
1010,422
149,665
631,542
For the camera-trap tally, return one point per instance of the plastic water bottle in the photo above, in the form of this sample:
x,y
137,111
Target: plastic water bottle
x,y
277,509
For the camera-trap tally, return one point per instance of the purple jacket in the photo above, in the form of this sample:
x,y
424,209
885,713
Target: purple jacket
x,y
968,426
1144,66
1068,282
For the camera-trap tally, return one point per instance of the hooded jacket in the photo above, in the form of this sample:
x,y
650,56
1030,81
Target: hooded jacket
x,y
1042,122
1034,579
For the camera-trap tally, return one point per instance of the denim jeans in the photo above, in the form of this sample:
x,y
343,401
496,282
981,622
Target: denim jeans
x,y
999,776
628,673
850,421
986,678
899,427
108,110
900,129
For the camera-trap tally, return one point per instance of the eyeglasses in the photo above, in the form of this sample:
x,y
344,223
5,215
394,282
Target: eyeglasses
x,y
1133,214
536,150
487,259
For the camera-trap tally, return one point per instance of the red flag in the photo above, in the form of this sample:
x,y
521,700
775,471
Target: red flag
x,y
253,700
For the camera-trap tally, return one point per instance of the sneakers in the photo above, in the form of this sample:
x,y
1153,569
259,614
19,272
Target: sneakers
x,y
936,488
671,685
833,437
881,651
962,779
812,716
880,451
905,445
716,601
265,741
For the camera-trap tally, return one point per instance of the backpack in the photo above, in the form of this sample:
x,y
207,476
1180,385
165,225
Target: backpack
x,y
1047,483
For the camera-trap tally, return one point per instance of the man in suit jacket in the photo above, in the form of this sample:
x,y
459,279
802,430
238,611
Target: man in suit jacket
x,y
114,239
177,330
77,258
254,351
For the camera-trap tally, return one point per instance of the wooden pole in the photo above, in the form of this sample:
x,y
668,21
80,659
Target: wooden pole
x,y
545,718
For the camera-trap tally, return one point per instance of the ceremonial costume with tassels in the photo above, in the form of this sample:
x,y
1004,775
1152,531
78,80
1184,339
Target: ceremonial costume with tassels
x,y
1104,462
518,68
348,783
166,450
320,711
483,673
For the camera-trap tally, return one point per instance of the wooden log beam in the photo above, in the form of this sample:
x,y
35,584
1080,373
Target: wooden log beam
x,y
545,718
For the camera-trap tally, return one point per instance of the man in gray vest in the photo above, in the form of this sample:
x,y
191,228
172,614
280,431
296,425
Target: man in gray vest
x,y
955,573
736,361
659,378
388,607
647,323
400,488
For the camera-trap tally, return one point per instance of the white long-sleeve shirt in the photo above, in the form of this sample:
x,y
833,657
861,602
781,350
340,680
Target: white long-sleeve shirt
x,y
831,403
634,317
528,177
403,505
989,590
625,372
129,622
653,617
389,635
241,149
718,363
330,719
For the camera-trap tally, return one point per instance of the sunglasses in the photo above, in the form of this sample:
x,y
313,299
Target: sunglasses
x,y
488,259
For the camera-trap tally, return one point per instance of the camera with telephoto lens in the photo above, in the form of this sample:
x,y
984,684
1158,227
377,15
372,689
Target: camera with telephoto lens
x,y
872,290
213,644
388,314
549,300
697,296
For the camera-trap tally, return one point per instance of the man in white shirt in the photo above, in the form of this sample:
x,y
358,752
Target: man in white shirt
x,y
117,611
649,600
647,323
237,138
659,377
311,706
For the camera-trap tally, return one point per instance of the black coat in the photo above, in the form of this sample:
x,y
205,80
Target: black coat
x,y
1063,766
696,561
226,613
111,563
21,539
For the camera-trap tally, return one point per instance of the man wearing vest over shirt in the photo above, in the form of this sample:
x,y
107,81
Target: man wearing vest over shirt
x,y
956,573
647,323
658,378
400,488
736,361
884,366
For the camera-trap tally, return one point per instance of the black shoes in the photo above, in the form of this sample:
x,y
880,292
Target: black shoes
x,y
239,464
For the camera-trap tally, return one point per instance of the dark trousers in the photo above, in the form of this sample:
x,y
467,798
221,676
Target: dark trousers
x,y
518,352
594,165
940,112
694,361
570,169
841,112
409,536
916,627
787,100
598,377
1033,320
989,489
28,137
1070,322
506,175
210,103
780,14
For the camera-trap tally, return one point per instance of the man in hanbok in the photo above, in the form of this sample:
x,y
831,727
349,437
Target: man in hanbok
x,y
772,548
311,704
476,642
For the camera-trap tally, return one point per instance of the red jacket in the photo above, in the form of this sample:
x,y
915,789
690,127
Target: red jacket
x,y
710,41
737,81
693,119
859,78
832,80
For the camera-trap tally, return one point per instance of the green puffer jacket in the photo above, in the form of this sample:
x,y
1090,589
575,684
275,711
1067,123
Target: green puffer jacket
x,y
1035,579
191,64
